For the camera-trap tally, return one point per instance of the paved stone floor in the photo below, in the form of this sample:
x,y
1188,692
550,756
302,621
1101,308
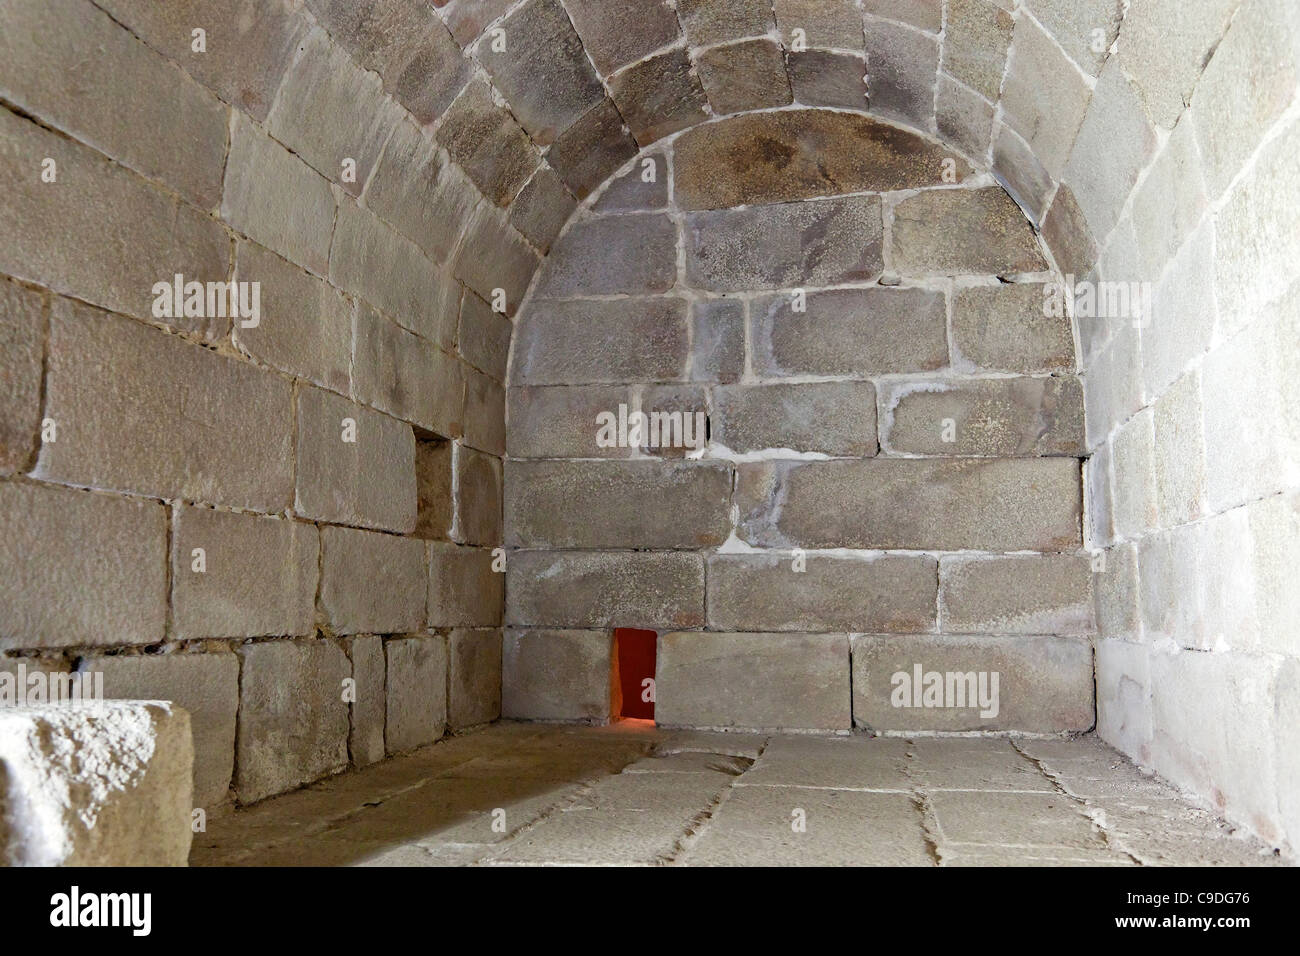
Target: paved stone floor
x,y
520,794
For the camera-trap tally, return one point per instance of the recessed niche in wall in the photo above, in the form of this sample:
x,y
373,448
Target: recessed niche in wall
x,y
633,674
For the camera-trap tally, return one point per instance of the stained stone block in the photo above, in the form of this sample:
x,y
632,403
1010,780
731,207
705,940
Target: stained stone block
x,y
417,691
371,583
658,96
555,344
902,69
976,42
833,418
542,208
755,681
406,376
418,194
826,23
592,589
366,738
716,21
615,35
997,418
22,355
256,576
293,722
748,75
562,421
492,256
1074,24
592,149
642,186
550,504
826,78
799,154
956,231
963,118
778,592
556,675
485,413
1005,328
1043,96
1031,594
433,489
478,498
717,340
1044,683
856,332
993,505
474,678
633,254
485,141
465,589
823,242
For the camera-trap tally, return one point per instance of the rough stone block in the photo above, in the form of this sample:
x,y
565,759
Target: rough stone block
x,y
1178,322
1179,452
256,576
994,505
1170,201
826,78
963,231
926,14
592,589
707,22
833,418
562,421
366,738
1074,24
659,96
405,375
1019,171
485,413
492,256
293,721
542,208
780,592
963,118
1170,573
355,466
22,360
478,498
417,691
640,187
550,504
717,340
592,149
615,35
465,587
748,75
826,23
634,255
371,583
756,681
1113,383
485,141
433,487
1165,48
556,675
1044,683
467,19
484,336
474,678
1005,328
1044,98
977,37
902,69
1116,595
1030,594
1067,234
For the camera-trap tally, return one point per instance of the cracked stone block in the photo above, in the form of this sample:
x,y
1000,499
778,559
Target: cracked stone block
x,y
484,336
643,186
406,376
633,254
978,36
542,208
998,418
785,592
1084,28
925,14
417,691
707,22
1004,328
1044,98
355,466
205,685
562,421
485,413
171,435
1017,594
293,721
856,332
478,498
829,24
833,418
465,588
822,242
753,681
1044,684
963,231
554,344
366,737
256,576
371,583
766,158
474,678
718,340
592,149
549,503
105,783
827,78
492,257
902,69
433,489
659,96
963,118
644,589
1023,504
615,35
748,75
22,357
485,141
556,675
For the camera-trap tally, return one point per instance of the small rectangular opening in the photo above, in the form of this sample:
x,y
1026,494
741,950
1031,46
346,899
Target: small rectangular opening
x,y
633,680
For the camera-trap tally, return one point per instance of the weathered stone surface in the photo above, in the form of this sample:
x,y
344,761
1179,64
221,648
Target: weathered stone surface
x,y
1043,96
485,141
851,332
405,375
465,589
467,19
615,35
542,208
44,46
371,583
493,258
1115,589
1178,319
779,592
955,505
479,497
1073,23
826,23
833,418
417,691
677,422
206,685
642,186
1005,328
1099,499
1044,683
1165,48
645,589
715,21
963,118
799,154
590,150
634,254
1021,174
717,340
103,784
484,337
1067,234
577,343
1031,594
433,489
550,504
902,69
22,358
1180,452
1135,489
70,239
1171,199
998,418
826,78
485,413
1123,697
144,412
822,242
956,231
366,738
926,14
758,681
556,675
355,466
1275,549
658,96
474,678
293,722
257,575
977,37
748,75
562,421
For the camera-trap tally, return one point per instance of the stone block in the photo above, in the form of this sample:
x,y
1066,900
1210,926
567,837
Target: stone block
x,y
833,418
594,589
542,208
1028,504
786,592
1067,234
902,69
641,186
827,78
925,14
748,75
485,413
466,589
405,375
1017,594
633,255
1275,549
963,231
754,681
1171,200
22,361
707,22
562,421
256,576
717,340
366,738
1179,452
1112,385
1018,170
474,678
478,498
825,23
1179,319
493,258
963,118
592,149
551,503
977,38
417,691
1165,49
556,675
1116,595
1170,573
1044,98
1075,23
371,583
1124,698
433,488
484,336
659,96
485,141
1005,328
467,19
293,721
616,35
